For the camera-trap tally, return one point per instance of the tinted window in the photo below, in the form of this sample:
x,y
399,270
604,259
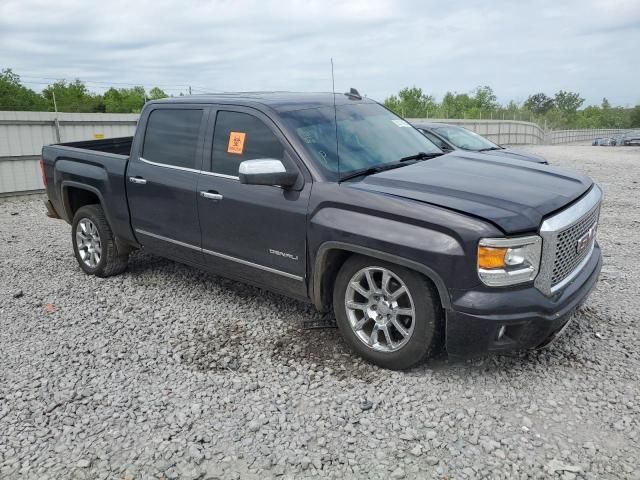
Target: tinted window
x,y
465,139
239,137
172,137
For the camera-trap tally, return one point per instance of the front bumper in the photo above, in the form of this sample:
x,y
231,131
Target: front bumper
x,y
530,319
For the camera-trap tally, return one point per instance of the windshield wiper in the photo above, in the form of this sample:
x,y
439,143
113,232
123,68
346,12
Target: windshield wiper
x,y
421,156
490,148
390,166
371,171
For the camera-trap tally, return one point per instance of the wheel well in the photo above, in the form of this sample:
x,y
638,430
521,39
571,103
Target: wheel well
x,y
75,198
329,266
78,197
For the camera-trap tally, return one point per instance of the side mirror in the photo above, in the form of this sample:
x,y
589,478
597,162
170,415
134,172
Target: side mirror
x,y
266,171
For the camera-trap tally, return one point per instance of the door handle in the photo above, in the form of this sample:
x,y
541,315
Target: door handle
x,y
138,180
211,195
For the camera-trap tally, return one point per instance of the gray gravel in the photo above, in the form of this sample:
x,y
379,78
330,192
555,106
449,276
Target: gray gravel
x,y
169,372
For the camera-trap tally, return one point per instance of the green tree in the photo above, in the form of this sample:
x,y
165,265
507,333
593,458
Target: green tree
x,y
411,102
124,100
539,103
157,93
72,97
15,96
568,102
634,117
456,105
590,117
484,99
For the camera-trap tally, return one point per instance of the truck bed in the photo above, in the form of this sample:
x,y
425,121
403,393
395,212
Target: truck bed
x,y
118,146
95,166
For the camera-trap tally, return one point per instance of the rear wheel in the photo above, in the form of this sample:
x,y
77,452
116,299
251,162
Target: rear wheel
x,y
388,314
94,243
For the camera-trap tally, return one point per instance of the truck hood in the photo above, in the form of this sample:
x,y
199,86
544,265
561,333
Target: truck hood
x,y
514,195
517,155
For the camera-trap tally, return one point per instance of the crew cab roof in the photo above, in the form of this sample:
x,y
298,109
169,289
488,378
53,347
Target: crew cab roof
x,y
278,101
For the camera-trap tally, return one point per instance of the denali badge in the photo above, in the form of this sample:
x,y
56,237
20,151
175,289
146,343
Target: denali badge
x,y
282,254
585,240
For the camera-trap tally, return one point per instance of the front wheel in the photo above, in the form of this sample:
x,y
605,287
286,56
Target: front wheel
x,y
94,244
388,314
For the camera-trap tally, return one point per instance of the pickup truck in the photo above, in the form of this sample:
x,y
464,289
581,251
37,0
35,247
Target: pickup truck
x,y
335,200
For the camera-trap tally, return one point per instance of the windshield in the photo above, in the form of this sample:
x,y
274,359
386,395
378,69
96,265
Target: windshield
x,y
465,139
368,134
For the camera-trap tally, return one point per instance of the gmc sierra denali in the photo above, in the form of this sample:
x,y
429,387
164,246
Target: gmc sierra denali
x,y
333,199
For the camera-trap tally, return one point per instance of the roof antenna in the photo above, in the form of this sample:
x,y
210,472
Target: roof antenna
x,y
335,114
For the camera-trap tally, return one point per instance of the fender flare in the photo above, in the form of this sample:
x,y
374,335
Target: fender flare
x,y
325,248
64,186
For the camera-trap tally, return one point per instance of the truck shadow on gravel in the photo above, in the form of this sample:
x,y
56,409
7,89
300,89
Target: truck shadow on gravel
x,y
326,348
231,348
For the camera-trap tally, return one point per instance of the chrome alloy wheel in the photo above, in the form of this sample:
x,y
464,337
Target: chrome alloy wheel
x,y
88,243
380,309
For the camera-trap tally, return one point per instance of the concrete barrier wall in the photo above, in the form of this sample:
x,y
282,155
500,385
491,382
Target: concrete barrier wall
x,y
23,134
502,132
585,135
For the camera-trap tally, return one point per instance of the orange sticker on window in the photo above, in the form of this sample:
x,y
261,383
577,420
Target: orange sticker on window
x,y
236,142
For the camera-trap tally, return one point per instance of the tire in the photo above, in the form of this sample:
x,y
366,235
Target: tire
x,y
94,244
413,320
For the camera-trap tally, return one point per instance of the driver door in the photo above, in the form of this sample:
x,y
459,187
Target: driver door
x,y
253,232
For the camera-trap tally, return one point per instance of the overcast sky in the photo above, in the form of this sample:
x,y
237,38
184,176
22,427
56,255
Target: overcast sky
x,y
378,46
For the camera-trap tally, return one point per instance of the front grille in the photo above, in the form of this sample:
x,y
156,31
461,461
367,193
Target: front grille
x,y
567,256
560,234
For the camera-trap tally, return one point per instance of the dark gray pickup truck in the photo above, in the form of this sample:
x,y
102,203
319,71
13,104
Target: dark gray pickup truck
x,y
346,206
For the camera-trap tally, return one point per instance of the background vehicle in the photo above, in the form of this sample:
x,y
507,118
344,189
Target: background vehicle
x,y
604,142
453,137
631,138
346,206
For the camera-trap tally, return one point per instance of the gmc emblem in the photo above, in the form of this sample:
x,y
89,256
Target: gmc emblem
x,y
585,240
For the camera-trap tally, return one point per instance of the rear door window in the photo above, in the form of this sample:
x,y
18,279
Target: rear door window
x,y
241,136
172,136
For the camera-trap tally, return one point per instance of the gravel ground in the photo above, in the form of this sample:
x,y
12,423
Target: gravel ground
x,y
169,372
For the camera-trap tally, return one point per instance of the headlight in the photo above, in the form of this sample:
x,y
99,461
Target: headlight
x,y
508,261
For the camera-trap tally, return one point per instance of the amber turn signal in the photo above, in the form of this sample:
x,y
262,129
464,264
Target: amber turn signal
x,y
491,257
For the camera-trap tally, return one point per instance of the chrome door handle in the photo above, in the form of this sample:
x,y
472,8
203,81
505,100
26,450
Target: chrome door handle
x,y
138,180
211,195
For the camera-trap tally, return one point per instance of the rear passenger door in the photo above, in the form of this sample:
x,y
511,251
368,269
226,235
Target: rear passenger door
x,y
161,181
254,232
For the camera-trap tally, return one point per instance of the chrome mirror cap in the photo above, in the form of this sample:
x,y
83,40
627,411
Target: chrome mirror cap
x,y
267,171
261,166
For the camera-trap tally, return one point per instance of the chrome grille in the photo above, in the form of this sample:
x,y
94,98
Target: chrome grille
x,y
561,260
567,255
